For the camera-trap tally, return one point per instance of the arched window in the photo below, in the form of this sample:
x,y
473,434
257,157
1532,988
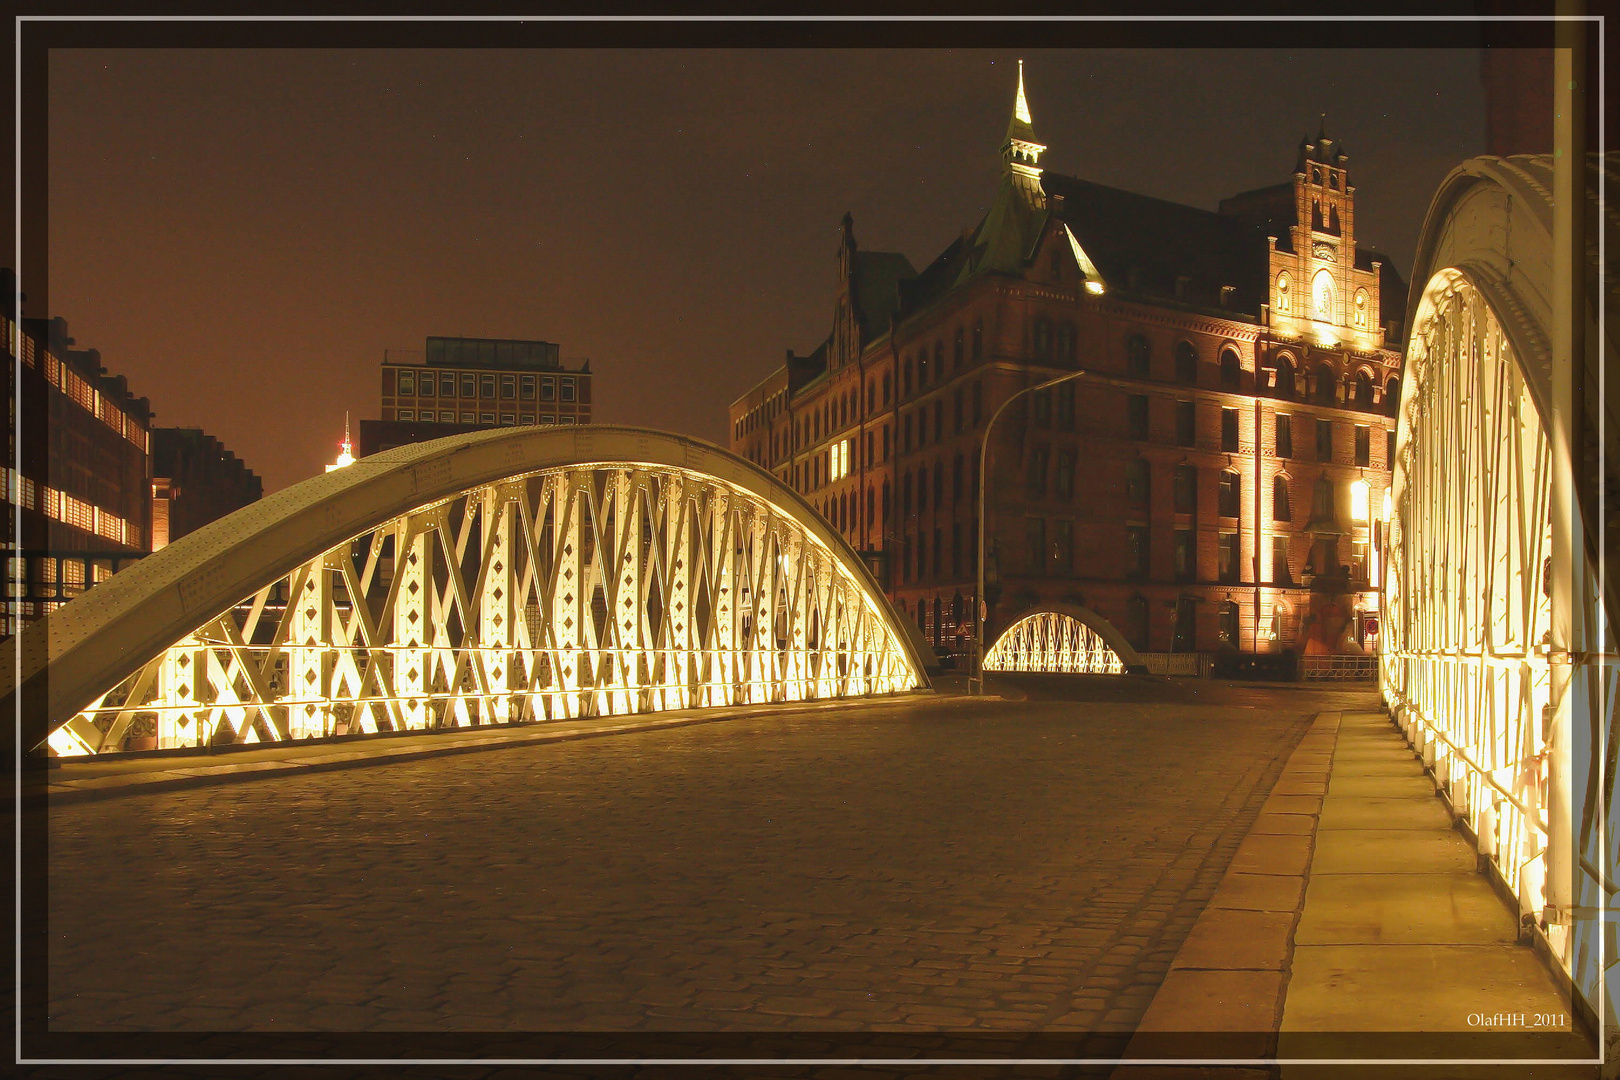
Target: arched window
x,y
905,378
1231,368
1333,220
939,484
978,341
885,504
1137,356
922,489
1322,296
1284,299
1325,383
956,355
843,511
1186,362
1362,308
939,359
1043,338
905,496
1392,396
1284,387
871,500
1281,510
922,369
956,479
1316,211
1364,390
887,388
1138,482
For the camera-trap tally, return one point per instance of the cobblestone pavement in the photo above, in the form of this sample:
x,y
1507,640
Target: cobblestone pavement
x,y
956,864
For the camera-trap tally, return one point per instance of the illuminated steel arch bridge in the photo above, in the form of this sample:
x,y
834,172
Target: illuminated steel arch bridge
x,y
1493,658
1063,639
504,576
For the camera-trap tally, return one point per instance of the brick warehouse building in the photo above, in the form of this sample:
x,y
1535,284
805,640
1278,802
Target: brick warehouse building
x,y
1135,489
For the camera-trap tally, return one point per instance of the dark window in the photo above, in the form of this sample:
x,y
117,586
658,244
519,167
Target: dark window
x,y
1389,450
956,532
1043,339
1324,440
939,373
938,537
447,386
905,434
922,490
1324,384
526,388
905,379
469,386
1064,481
1035,545
978,341
1067,349
1230,494
1280,574
871,500
407,383
1363,445
1043,408
1186,362
939,418
1138,481
1136,551
1063,547
1322,500
922,370
1137,621
1186,424
488,387
1184,561
956,411
1284,387
887,387
939,485
1184,489
568,389
1285,436
1065,407
886,504
1229,429
956,480
509,387
1228,549
922,427
1136,416
1035,475
1137,355
1227,623
1231,369
1392,396
905,496
978,403
956,354
1281,510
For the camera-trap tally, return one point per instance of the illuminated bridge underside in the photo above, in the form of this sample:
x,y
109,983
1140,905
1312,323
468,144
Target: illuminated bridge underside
x,y
675,577
1072,642
1467,664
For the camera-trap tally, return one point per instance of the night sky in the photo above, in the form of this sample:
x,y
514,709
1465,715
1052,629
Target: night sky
x,y
242,233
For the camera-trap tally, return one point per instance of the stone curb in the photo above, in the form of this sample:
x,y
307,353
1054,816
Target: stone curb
x,y
200,770
1230,977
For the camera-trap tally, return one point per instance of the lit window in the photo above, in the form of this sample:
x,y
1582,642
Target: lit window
x,y
1322,296
1359,501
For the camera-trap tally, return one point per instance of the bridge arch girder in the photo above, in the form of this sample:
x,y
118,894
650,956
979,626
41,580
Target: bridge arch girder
x,y
1068,638
501,575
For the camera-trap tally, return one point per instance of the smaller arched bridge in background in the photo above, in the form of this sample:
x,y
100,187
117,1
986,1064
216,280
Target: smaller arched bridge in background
x,y
1063,639
516,575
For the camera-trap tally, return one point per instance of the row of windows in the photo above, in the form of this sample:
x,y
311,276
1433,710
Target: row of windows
x,y
1136,427
510,387
926,556
22,491
760,414
447,417
81,393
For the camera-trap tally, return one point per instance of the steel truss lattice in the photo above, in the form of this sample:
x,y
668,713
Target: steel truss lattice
x,y
603,589
1051,641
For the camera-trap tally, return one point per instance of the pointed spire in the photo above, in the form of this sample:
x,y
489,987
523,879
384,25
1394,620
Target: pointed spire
x,y
1021,128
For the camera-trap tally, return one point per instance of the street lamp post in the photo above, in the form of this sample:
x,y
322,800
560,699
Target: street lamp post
x,y
984,458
